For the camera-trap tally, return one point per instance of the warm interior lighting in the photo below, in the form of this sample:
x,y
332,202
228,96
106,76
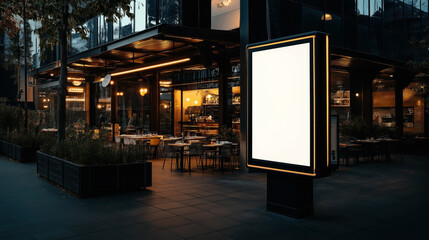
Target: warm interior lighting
x,y
357,94
225,3
44,100
120,94
209,96
151,67
75,99
75,79
164,83
51,74
196,102
326,17
99,106
45,106
76,83
111,82
75,89
165,106
143,91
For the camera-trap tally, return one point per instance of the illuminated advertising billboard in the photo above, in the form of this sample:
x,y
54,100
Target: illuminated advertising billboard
x,y
288,104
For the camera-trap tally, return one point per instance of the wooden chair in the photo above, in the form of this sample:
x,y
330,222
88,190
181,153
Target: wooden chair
x,y
153,146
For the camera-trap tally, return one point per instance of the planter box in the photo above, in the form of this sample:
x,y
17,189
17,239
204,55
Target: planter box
x,y
19,153
95,180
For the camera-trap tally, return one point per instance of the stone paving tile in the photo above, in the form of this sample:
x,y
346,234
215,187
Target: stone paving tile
x,y
383,201
211,236
190,230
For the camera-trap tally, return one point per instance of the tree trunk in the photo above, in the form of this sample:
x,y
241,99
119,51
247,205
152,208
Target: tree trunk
x,y
63,73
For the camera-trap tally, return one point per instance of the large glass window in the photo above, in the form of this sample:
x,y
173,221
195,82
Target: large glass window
x,y
312,19
78,44
102,30
340,94
383,101
169,11
140,15
116,29
362,7
131,102
126,23
103,105
413,106
349,8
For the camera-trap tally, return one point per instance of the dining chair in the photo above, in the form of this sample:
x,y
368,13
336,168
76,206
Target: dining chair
x,y
153,146
224,155
235,156
195,150
171,152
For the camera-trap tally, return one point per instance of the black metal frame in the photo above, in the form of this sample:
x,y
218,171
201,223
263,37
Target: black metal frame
x,y
319,89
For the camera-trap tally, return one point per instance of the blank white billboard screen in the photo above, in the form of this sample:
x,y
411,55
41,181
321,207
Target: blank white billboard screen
x,y
281,79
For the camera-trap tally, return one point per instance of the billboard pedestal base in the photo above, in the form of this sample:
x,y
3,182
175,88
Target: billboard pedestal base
x,y
290,194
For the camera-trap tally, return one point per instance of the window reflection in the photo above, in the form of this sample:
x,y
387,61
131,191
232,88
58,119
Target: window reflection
x,y
383,101
140,15
362,7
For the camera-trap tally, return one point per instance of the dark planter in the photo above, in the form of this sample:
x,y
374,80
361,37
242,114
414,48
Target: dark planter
x,y
95,180
19,153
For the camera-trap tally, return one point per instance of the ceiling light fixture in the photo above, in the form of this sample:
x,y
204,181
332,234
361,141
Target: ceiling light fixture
x,y
143,91
225,3
326,17
76,78
151,67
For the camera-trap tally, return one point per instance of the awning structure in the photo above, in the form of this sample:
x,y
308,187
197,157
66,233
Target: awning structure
x,y
154,46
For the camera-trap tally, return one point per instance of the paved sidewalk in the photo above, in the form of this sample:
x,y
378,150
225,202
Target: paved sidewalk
x,y
368,201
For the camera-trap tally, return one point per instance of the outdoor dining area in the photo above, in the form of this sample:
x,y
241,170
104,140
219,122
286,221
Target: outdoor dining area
x,y
186,153
370,150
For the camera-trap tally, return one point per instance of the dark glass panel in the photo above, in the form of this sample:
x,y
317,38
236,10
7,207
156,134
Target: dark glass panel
x,y
350,33
314,3
350,8
312,19
282,12
376,13
169,11
334,28
389,14
389,47
363,38
334,6
399,16
151,13
376,39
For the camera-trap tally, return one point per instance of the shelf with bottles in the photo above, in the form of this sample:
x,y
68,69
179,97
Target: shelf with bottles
x,y
340,98
408,117
201,128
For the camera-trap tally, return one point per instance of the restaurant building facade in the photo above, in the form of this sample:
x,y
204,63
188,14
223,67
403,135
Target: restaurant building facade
x,y
181,65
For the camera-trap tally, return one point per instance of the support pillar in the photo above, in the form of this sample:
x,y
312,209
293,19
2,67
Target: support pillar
x,y
224,109
290,194
113,103
154,104
252,29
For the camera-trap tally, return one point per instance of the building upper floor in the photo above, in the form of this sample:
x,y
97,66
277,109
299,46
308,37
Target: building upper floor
x,y
378,27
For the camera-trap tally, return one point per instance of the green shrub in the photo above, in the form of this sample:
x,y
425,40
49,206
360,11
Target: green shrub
x,y
11,118
88,148
228,134
356,128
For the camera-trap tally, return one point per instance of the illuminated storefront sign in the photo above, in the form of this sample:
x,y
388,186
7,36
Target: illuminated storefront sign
x,y
288,108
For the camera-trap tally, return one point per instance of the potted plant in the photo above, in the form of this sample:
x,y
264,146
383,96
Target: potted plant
x,y
88,166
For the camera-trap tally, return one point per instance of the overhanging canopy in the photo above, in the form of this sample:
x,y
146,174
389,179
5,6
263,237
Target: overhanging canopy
x,y
154,45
